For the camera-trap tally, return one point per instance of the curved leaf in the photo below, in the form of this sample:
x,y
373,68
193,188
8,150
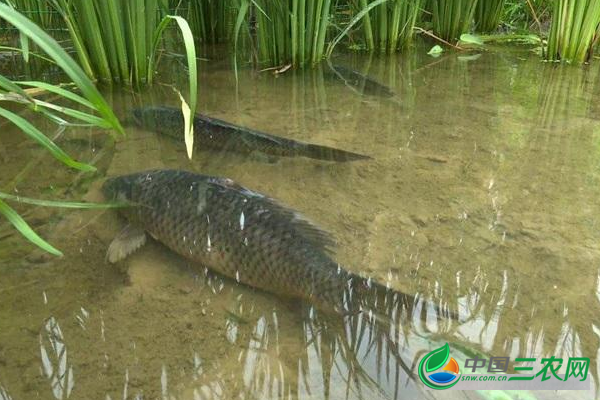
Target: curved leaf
x,y
190,49
64,61
58,90
61,204
437,358
42,139
22,226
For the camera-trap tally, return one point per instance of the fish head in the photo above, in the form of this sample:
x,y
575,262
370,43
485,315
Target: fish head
x,y
164,120
121,188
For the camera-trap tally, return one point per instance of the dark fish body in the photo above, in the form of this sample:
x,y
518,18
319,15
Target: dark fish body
x,y
360,82
240,234
218,134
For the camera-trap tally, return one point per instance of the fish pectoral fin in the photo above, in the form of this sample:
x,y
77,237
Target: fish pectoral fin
x,y
126,242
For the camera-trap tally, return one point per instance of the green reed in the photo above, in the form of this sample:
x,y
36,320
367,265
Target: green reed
x,y
293,31
96,112
573,31
115,39
211,20
389,26
39,11
451,18
488,14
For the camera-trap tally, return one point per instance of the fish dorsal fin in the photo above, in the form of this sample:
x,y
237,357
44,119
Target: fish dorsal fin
x,y
317,236
130,239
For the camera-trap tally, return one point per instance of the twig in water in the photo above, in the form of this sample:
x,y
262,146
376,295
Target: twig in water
x,y
438,38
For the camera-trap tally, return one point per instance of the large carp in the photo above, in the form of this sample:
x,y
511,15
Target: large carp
x,y
240,234
217,134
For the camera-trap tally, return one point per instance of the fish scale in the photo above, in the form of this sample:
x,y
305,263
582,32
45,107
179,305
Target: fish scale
x,y
271,247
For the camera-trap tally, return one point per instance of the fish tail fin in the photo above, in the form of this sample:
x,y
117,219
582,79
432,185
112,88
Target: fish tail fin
x,y
329,153
387,302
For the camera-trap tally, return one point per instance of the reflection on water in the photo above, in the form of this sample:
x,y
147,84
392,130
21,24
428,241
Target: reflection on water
x,y
54,360
480,198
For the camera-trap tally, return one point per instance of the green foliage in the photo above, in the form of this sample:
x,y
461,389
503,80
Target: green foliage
x,y
488,14
91,100
479,40
574,26
519,15
115,40
290,31
19,223
39,11
451,18
211,20
389,26
63,60
61,204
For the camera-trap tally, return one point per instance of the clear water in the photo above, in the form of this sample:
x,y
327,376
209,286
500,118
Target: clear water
x,y
482,196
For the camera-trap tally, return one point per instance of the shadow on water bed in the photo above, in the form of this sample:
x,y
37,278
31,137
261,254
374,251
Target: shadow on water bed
x,y
481,197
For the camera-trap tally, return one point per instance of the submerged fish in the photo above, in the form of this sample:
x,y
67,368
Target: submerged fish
x,y
215,133
240,234
359,82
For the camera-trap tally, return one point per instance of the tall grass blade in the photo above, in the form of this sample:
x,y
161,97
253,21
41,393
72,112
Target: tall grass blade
x,y
573,30
58,90
241,16
452,18
488,14
67,64
190,49
42,139
61,204
22,226
354,20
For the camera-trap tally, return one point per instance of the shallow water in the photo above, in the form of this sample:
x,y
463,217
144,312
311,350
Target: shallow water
x,y
482,197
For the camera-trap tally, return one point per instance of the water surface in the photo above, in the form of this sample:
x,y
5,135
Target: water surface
x,y
481,197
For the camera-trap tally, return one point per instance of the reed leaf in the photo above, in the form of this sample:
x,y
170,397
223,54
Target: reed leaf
x,y
58,90
488,14
19,223
354,20
61,204
452,18
188,40
63,60
43,140
573,30
241,16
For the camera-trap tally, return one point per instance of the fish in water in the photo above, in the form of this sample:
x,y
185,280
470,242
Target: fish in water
x,y
359,82
222,135
241,234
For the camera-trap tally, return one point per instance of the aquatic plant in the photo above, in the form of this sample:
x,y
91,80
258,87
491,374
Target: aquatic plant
x,y
526,15
284,32
39,11
97,113
573,30
451,18
116,40
488,14
211,20
389,26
